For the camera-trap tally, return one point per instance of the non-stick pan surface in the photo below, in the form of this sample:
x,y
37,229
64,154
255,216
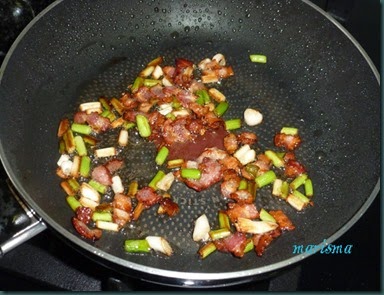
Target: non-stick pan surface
x,y
317,78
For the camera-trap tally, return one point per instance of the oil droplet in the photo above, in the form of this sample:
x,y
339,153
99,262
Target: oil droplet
x,y
187,29
321,155
175,35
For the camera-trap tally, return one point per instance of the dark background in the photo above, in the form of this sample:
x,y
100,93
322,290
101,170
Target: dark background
x,y
45,263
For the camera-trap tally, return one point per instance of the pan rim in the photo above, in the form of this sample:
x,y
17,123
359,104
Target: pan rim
x,y
188,279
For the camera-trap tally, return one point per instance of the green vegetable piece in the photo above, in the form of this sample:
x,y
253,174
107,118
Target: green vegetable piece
x,y
143,126
80,146
85,166
81,128
102,215
298,181
74,184
101,188
284,190
224,220
265,178
139,81
232,124
162,155
249,246
221,108
265,216
243,184
276,160
192,173
289,130
299,195
219,233
206,250
159,175
308,187
136,246
259,58
73,202
203,95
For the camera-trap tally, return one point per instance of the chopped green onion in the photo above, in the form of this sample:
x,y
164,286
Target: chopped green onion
x,y
249,246
175,163
299,195
128,125
298,181
132,189
61,147
162,155
276,160
176,104
85,166
232,124
192,173
265,216
81,128
143,125
137,83
284,190
73,202
101,188
252,169
219,233
104,104
151,82
69,141
206,250
80,146
109,115
203,95
159,175
265,178
260,58
243,184
117,105
102,215
289,130
308,187
74,184
89,140
252,188
221,108
136,246
224,220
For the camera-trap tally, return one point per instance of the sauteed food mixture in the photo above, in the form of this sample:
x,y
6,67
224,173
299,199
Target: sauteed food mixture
x,y
180,109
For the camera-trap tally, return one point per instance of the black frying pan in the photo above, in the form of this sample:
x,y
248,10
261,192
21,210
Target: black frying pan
x,y
317,78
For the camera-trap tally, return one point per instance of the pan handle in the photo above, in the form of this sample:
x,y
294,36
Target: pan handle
x,y
34,227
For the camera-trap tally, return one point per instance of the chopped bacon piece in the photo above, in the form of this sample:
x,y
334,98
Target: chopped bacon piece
x,y
169,206
263,162
211,173
231,163
157,91
102,175
230,143
236,210
85,231
293,168
128,102
213,154
284,222
235,244
289,156
287,141
98,123
230,183
148,196
242,197
143,94
114,165
122,202
262,241
80,117
83,214
169,71
247,138
176,131
120,216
